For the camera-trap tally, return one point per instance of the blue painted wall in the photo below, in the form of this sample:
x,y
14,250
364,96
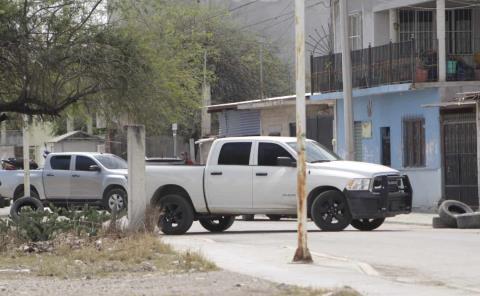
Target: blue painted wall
x,y
388,110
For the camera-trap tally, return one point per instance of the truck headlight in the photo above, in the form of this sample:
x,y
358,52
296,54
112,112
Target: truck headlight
x,y
358,184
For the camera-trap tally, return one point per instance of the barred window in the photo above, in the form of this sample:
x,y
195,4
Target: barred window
x,y
414,142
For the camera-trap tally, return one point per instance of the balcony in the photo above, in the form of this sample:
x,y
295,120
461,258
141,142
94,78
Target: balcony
x,y
404,62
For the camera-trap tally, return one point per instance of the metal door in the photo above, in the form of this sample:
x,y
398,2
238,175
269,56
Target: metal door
x,y
460,157
319,128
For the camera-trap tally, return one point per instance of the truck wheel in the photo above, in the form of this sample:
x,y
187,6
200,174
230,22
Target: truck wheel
x,y
176,215
217,224
274,217
449,209
23,203
330,211
21,193
116,197
367,224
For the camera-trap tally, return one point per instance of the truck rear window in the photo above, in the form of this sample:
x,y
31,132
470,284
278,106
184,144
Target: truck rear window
x,y
235,153
60,162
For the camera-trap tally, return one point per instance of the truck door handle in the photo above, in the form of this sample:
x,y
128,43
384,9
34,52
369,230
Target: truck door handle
x,y
262,174
216,173
75,176
50,175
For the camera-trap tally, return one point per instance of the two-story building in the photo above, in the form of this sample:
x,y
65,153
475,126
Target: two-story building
x,y
409,60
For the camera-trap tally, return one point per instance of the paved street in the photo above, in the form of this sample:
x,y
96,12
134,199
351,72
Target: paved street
x,y
397,259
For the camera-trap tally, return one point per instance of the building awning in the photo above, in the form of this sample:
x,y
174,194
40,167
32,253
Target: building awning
x,y
450,104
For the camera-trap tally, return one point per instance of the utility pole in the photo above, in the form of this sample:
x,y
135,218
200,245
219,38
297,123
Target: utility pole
x,y
302,254
26,156
261,71
206,101
347,82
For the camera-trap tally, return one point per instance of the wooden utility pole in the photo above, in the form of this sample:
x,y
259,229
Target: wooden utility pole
x,y
302,254
347,82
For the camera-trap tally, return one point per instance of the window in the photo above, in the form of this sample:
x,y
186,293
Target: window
x,y
112,162
235,154
414,142
60,162
83,163
418,24
459,31
355,31
268,153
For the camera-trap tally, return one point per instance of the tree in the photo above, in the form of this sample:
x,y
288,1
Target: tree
x,y
55,53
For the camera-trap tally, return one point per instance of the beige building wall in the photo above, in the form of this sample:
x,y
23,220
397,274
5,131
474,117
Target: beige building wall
x,y
276,120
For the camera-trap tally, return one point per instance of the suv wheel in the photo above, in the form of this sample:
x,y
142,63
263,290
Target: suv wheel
x,y
217,224
330,211
115,198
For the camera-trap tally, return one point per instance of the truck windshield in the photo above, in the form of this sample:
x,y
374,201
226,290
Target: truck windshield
x,y
316,152
112,162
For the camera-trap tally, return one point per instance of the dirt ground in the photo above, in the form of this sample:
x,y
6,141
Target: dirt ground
x,y
197,283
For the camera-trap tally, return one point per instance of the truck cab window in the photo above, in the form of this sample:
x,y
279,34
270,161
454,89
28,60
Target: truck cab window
x,y
60,162
83,163
268,153
235,154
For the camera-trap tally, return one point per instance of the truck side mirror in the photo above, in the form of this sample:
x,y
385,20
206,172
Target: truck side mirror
x,y
94,168
286,162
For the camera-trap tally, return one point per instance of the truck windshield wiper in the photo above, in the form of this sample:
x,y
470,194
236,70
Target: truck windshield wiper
x,y
320,160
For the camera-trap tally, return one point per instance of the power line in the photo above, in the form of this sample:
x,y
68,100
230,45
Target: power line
x,y
280,15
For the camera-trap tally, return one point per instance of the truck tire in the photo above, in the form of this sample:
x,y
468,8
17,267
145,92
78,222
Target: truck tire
x,y
20,193
176,215
437,222
217,224
330,211
449,209
367,224
24,202
274,217
115,197
469,220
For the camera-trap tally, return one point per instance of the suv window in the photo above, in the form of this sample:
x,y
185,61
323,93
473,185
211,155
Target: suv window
x,y
60,162
83,163
235,154
268,153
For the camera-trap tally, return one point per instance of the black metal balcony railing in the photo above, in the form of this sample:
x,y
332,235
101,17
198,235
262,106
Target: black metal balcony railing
x,y
403,62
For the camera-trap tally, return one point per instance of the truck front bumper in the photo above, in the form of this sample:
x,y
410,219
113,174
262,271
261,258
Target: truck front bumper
x,y
392,196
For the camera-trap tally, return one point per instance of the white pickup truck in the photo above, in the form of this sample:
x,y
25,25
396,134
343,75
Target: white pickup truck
x,y
257,175
72,179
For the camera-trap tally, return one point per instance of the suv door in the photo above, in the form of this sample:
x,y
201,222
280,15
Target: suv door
x,y
86,184
56,179
228,182
274,186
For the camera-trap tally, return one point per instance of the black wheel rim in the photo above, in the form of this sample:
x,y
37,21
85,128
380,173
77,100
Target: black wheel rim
x,y
217,220
172,216
333,210
367,222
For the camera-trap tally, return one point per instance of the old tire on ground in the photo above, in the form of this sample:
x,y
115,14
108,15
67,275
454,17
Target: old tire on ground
x,y
25,202
330,211
217,224
449,209
437,222
176,214
367,224
249,217
274,217
469,220
115,197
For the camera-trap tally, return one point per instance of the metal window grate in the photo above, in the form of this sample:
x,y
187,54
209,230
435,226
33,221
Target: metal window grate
x,y
413,142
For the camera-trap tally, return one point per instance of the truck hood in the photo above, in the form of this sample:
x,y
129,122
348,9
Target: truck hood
x,y
364,169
